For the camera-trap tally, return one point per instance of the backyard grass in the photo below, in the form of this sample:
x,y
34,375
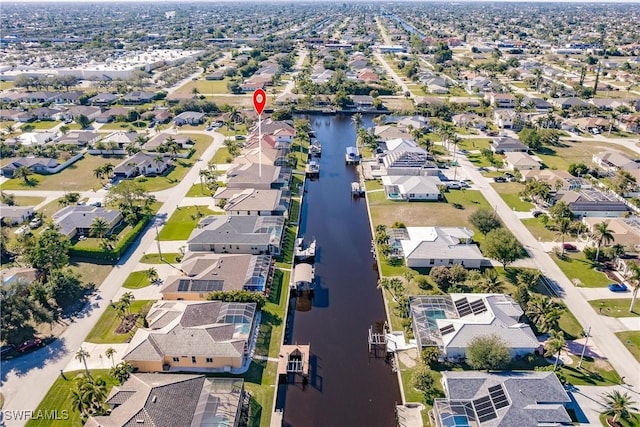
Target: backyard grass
x,y
577,268
42,124
77,177
137,280
616,307
182,166
90,271
538,230
510,193
104,331
631,339
58,399
288,242
173,258
433,213
28,200
222,156
182,222
373,185
198,190
413,395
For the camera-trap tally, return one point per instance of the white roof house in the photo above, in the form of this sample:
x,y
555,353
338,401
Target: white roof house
x,y
520,161
410,187
437,246
451,322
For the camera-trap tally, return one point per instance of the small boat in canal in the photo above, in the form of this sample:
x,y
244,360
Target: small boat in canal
x,y
357,190
301,253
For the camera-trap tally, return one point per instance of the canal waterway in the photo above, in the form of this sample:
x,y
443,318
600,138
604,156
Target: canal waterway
x,y
347,385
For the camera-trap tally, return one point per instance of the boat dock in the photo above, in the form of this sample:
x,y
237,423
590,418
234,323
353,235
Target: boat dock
x,y
352,156
301,253
357,189
304,277
312,168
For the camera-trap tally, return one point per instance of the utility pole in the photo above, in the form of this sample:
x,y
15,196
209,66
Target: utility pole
x,y
588,332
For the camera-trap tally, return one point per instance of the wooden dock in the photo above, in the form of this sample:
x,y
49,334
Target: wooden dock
x,y
294,359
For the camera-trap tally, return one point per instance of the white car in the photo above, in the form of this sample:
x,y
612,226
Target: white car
x,y
35,223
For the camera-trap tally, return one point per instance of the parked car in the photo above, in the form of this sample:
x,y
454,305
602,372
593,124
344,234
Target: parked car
x,y
536,214
617,287
569,247
500,179
35,223
6,350
29,345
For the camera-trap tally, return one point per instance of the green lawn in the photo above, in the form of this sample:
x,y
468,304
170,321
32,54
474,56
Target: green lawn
x,y
77,177
631,339
42,124
28,200
137,280
617,307
413,395
570,325
198,190
90,271
593,372
180,169
58,399
576,152
479,160
538,230
173,258
510,193
474,143
182,222
576,266
206,87
634,421
104,332
288,242
222,156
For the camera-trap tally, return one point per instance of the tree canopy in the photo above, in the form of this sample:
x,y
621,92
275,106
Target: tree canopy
x,y
488,352
502,246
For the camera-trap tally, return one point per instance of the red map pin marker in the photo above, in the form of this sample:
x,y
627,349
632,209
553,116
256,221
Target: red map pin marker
x,y
259,100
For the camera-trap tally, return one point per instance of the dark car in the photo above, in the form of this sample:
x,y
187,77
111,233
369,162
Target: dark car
x,y
536,214
500,179
617,287
569,247
29,345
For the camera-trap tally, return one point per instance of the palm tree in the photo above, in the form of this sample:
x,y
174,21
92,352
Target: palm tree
x,y
79,402
634,281
618,405
82,355
152,275
99,227
110,352
538,308
23,172
554,345
602,234
98,172
564,227
126,299
491,282
357,119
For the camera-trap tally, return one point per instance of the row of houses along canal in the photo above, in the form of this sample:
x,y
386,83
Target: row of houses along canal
x,y
346,385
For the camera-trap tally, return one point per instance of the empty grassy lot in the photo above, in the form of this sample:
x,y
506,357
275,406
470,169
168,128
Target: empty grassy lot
x,y
616,307
631,339
576,152
510,193
577,268
77,177
182,222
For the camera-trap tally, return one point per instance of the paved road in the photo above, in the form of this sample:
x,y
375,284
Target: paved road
x,y
26,380
618,355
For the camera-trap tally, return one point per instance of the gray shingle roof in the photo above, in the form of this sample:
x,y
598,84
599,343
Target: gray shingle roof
x,y
238,229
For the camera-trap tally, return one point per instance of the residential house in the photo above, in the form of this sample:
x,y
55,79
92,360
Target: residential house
x,y
367,76
205,272
12,215
593,125
266,156
281,131
238,235
615,160
428,247
252,85
142,163
173,400
413,122
160,139
567,103
501,100
362,101
406,158
478,85
35,138
112,114
501,399
81,138
592,203
630,123
119,139
386,132
469,120
556,178
411,188
77,220
252,201
625,231
46,113
70,97
82,110
520,161
11,275
209,336
42,165
507,119
508,145
466,100
104,99
138,97
189,117
437,85
537,103
451,322
605,104
254,175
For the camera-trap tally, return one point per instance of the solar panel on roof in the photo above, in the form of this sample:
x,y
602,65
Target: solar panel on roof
x,y
206,285
498,397
484,409
183,285
478,306
463,307
447,330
